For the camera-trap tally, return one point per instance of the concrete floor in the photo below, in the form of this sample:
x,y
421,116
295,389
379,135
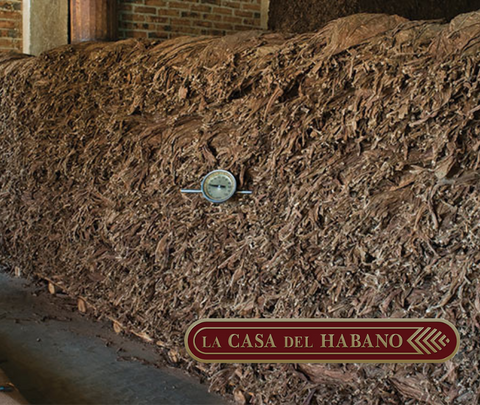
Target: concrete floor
x,y
54,355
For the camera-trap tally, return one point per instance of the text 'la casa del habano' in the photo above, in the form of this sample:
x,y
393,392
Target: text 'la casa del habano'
x,y
324,340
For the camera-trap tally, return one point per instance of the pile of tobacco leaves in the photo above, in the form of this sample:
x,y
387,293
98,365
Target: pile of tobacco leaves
x,y
360,143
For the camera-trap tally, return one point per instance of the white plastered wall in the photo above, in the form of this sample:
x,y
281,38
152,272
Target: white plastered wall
x,y
45,25
265,4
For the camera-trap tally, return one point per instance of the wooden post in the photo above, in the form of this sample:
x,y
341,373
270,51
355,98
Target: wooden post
x,y
93,20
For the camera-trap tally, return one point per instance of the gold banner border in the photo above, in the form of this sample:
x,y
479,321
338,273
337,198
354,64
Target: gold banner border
x,y
325,320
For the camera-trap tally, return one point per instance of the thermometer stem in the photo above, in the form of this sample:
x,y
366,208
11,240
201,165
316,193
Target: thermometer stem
x,y
199,191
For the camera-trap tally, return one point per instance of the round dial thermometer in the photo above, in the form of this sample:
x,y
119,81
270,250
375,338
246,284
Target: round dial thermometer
x,y
218,186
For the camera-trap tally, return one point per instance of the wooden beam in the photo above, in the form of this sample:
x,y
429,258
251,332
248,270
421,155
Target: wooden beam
x,y
93,20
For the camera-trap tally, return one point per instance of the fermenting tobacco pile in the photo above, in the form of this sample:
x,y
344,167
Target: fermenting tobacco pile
x,y
360,143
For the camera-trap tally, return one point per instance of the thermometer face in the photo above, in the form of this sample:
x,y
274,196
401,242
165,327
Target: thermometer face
x,y
218,186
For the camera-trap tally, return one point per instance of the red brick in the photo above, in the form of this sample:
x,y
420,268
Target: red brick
x,y
202,7
176,4
173,13
156,3
212,17
11,5
6,43
242,28
137,26
6,5
154,27
181,21
223,26
188,14
146,10
162,19
241,13
10,34
235,20
144,26
156,19
253,7
221,10
9,24
206,24
232,4
10,15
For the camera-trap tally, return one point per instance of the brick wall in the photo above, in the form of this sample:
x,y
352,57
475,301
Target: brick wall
x,y
10,25
161,19
171,18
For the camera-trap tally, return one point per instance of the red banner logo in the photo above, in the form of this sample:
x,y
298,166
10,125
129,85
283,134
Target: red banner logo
x,y
322,340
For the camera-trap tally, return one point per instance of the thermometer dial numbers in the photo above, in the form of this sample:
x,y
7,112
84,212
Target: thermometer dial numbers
x,y
218,186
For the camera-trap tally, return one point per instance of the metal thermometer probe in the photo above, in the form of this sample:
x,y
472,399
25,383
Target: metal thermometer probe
x,y
218,186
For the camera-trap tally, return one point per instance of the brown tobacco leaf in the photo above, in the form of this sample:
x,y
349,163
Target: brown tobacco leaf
x,y
416,387
329,375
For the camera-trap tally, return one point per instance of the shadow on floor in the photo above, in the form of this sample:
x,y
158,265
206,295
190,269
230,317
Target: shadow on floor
x,y
54,355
